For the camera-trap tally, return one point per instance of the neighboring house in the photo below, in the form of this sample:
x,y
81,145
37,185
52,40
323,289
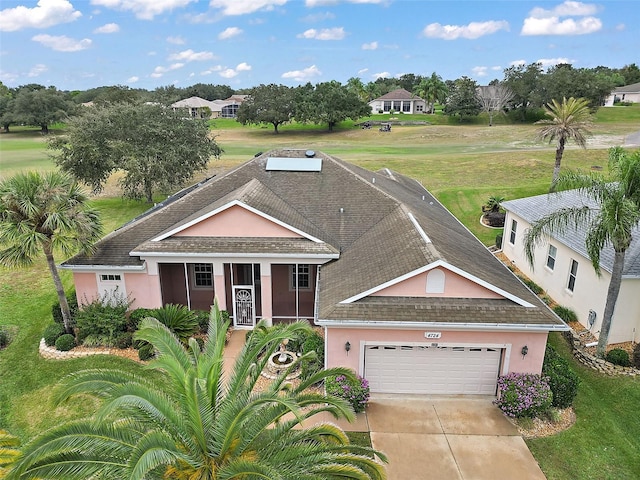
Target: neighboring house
x,y
398,101
563,268
406,295
197,107
628,93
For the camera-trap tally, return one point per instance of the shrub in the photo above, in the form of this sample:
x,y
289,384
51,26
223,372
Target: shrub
x,y
51,334
136,316
179,319
618,356
65,342
123,340
565,313
355,392
499,241
636,356
4,338
313,343
533,286
523,395
202,317
56,311
563,381
103,317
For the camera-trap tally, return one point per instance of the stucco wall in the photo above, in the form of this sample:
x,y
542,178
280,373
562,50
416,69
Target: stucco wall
x,y
454,286
512,342
236,222
590,291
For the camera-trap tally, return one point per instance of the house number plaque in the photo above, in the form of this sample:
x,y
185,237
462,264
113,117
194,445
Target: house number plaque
x,y
432,334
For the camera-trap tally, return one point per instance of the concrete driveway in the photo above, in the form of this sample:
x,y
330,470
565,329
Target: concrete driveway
x,y
436,437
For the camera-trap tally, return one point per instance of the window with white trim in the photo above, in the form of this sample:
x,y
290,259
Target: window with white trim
x,y
551,257
512,234
300,276
573,272
110,277
202,275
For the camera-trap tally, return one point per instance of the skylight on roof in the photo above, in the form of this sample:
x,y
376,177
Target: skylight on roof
x,y
284,164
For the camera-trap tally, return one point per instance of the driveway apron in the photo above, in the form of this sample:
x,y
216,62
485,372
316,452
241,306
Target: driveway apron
x,y
449,438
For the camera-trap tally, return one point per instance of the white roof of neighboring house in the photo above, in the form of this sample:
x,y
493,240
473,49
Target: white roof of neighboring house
x,y
399,94
192,102
532,209
633,88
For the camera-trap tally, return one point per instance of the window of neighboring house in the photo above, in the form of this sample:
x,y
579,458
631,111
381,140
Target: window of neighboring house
x,y
419,108
551,257
397,105
571,284
406,106
301,275
202,275
512,234
387,106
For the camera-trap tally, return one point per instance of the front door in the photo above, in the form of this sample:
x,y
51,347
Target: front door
x,y
244,312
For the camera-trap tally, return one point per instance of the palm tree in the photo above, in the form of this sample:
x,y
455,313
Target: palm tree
x,y
570,120
609,221
9,452
193,421
432,90
47,213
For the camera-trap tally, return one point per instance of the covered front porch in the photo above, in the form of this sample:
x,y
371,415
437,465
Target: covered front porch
x,y
248,291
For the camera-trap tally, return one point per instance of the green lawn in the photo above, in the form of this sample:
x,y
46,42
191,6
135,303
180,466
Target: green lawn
x,y
462,165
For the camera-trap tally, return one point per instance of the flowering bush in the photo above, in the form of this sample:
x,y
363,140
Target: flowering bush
x,y
523,395
355,392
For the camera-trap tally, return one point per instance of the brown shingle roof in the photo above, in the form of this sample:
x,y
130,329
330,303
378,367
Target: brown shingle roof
x,y
368,222
399,94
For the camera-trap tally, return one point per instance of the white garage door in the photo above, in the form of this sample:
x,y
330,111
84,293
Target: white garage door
x,y
431,370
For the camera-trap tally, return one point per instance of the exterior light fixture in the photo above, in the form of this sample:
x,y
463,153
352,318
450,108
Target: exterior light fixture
x,y
524,351
347,346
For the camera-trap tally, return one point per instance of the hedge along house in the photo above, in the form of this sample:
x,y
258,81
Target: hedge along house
x,y
406,295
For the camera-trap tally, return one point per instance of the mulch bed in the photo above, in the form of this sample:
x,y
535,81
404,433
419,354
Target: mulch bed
x,y
542,427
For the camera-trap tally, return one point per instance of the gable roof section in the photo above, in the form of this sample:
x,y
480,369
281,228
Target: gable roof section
x,y
633,88
192,102
532,209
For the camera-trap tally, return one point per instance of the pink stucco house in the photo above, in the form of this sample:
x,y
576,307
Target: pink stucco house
x,y
406,295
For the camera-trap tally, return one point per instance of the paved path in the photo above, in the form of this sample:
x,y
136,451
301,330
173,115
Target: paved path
x,y
632,140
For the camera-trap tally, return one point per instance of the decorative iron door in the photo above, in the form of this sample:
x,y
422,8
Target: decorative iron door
x,y
244,314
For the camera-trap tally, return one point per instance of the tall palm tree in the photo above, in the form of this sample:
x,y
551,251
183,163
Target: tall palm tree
x,y
432,90
47,213
195,422
609,222
570,120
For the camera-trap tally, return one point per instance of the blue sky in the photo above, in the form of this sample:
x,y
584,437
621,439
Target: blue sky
x,y
80,44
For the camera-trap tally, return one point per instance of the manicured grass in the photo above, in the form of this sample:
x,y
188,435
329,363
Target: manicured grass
x,y
604,443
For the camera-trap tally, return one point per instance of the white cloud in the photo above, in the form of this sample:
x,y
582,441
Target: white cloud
x,y
133,79
479,71
143,9
191,56
228,73
243,67
549,22
318,17
215,68
108,28
370,46
554,26
232,72
363,70
517,63
62,43
322,3
159,71
242,7
620,27
37,70
229,33
471,31
551,62
303,75
177,40
47,13
336,33
381,75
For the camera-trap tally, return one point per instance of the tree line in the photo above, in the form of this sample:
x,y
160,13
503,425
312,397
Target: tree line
x,y
528,87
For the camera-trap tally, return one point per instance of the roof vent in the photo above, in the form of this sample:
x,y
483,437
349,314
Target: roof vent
x,y
310,154
373,180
